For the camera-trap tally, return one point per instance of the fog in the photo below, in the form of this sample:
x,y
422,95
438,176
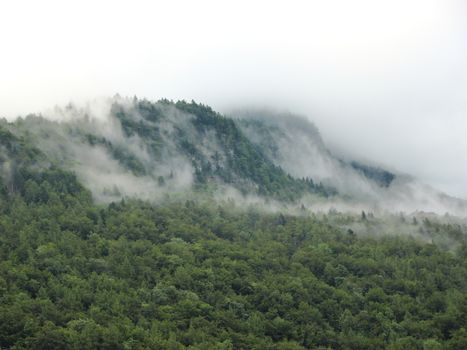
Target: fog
x,y
382,80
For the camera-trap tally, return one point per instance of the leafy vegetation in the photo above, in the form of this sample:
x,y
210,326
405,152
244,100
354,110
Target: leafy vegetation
x,y
132,275
203,274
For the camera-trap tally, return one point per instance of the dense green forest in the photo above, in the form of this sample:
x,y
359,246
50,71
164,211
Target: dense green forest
x,y
201,273
134,275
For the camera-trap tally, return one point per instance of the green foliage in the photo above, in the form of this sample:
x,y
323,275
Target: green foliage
x,y
133,275
186,275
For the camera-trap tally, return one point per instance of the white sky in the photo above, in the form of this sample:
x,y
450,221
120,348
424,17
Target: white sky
x,y
384,80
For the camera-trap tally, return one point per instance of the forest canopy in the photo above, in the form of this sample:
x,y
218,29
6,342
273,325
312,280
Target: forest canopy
x,y
196,272
133,275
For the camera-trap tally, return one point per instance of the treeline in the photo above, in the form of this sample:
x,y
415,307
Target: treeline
x,y
131,275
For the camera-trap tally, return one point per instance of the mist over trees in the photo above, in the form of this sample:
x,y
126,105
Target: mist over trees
x,y
190,275
166,225
127,148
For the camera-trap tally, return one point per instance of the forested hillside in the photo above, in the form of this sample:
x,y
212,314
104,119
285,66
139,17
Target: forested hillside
x,y
182,268
133,275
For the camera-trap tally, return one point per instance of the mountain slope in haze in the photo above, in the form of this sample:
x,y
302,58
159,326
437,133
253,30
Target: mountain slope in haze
x,y
295,144
136,148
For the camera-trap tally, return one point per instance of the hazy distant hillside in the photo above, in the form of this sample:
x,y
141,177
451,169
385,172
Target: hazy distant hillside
x,y
295,144
150,150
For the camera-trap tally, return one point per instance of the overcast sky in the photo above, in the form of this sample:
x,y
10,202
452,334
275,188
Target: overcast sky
x,y
384,80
